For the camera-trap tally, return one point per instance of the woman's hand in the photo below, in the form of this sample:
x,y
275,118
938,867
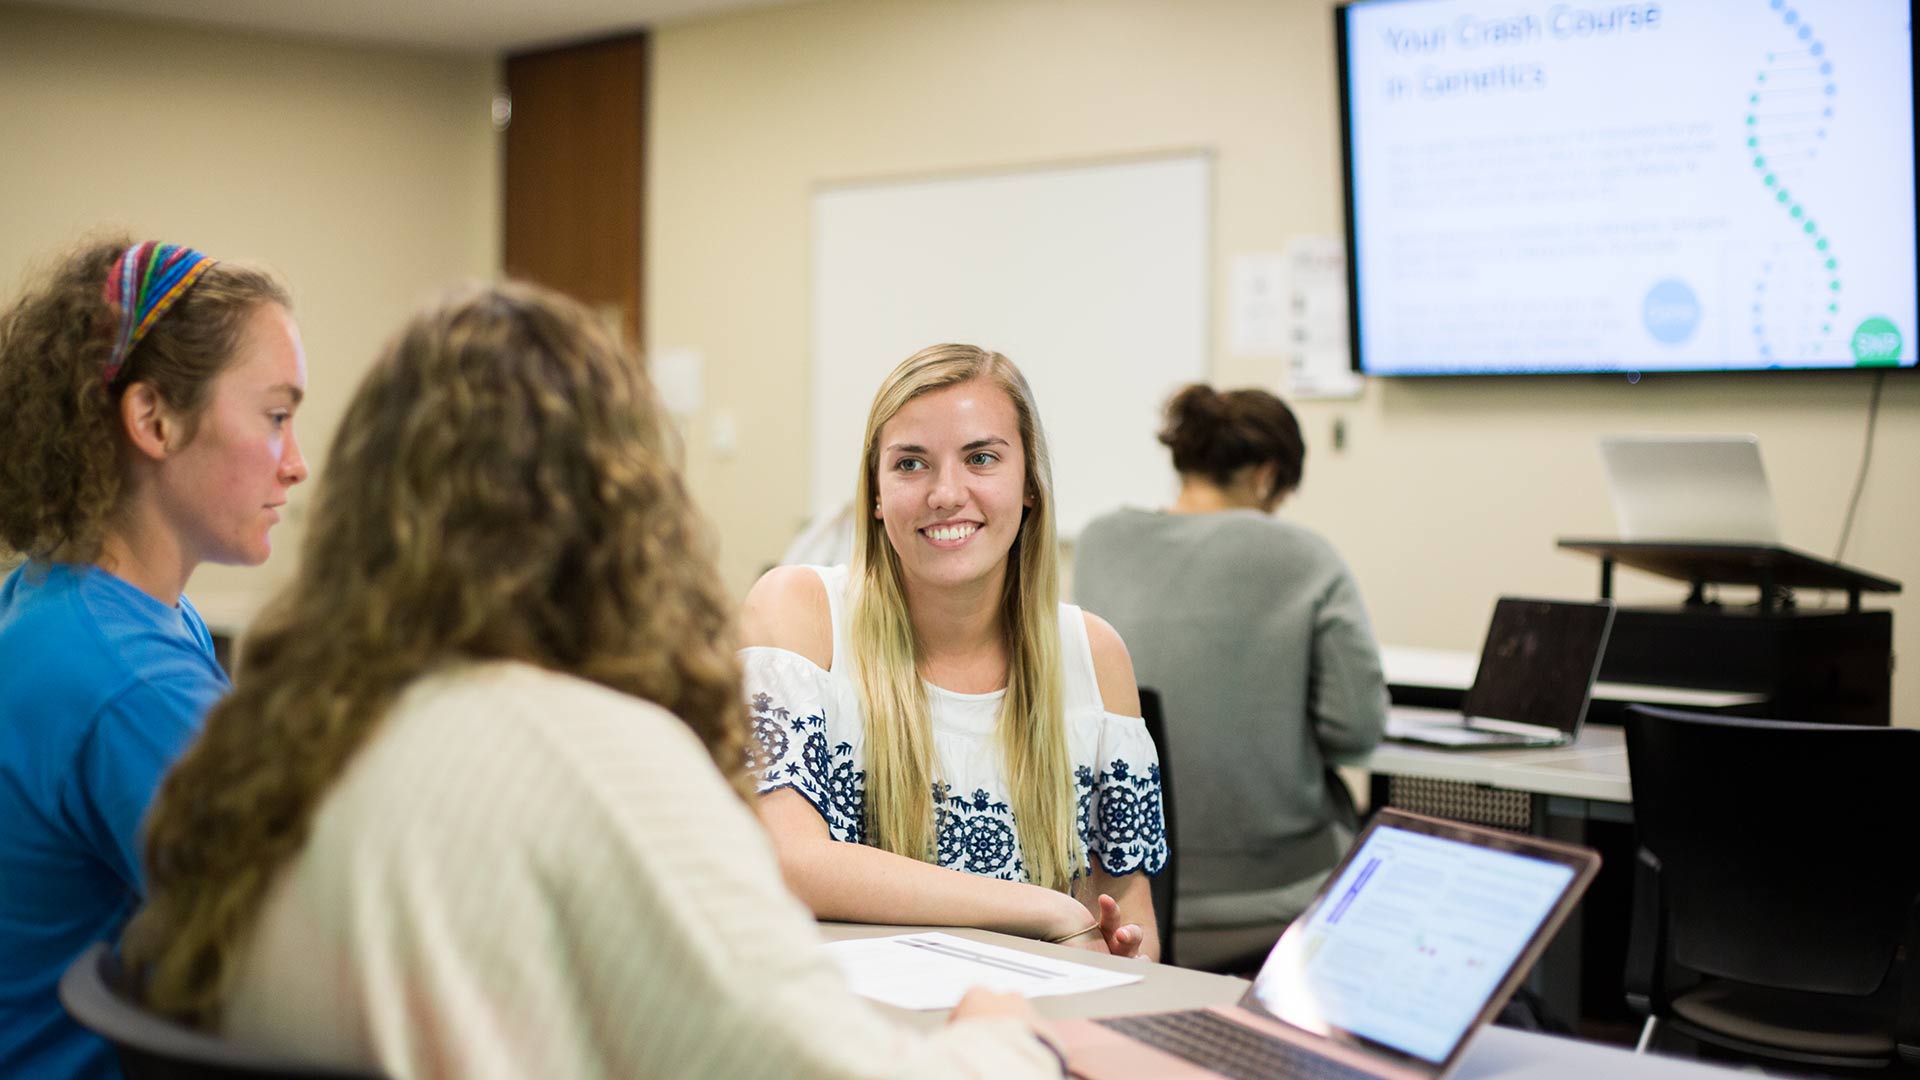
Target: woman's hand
x,y
1120,938
1089,938
983,1004
1062,919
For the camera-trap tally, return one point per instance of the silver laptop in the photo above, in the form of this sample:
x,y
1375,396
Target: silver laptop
x,y
1418,938
1701,488
1533,685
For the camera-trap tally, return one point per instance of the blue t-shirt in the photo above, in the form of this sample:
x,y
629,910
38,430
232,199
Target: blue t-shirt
x,y
101,688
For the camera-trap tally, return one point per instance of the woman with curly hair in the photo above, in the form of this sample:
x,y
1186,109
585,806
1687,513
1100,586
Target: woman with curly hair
x,y
476,806
941,740
148,395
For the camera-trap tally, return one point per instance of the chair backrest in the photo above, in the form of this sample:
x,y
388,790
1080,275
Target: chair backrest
x,y
153,1048
1165,886
1783,848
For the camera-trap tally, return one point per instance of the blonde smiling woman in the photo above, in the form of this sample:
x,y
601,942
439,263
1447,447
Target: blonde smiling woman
x,y
941,741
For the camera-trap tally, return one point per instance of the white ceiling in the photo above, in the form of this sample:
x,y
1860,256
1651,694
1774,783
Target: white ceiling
x,y
468,26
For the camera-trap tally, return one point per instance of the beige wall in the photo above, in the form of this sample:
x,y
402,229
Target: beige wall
x,y
1448,493
368,177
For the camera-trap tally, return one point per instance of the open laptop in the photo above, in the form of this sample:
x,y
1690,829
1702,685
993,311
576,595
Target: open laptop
x,y
1418,938
1677,488
1534,681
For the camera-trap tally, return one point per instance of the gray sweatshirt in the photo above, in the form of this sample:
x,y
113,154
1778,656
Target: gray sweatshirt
x,y
1252,630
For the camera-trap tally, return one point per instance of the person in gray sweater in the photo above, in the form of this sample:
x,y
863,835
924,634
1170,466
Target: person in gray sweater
x,y
1252,630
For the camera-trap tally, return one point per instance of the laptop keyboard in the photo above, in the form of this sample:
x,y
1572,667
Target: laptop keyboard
x,y
1212,1042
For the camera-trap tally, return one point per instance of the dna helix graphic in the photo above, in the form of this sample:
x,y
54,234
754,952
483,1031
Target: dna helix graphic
x,y
1797,292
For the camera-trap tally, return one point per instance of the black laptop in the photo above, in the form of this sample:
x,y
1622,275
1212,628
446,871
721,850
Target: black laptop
x,y
1534,682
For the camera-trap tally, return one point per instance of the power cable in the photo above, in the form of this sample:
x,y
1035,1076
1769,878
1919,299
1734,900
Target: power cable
x,y
1866,459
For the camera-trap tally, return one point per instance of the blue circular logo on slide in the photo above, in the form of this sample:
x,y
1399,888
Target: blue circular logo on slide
x,y
1671,312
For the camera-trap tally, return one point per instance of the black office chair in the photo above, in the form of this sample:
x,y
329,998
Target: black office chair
x,y
152,1048
1165,885
1776,887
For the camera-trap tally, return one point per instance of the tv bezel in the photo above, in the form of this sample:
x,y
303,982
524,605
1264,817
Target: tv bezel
x,y
1355,346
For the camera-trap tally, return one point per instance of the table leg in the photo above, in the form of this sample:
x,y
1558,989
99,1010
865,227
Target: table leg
x,y
1557,977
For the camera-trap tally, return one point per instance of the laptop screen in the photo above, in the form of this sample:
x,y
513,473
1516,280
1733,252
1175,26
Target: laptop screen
x,y
1539,662
1406,947
1698,488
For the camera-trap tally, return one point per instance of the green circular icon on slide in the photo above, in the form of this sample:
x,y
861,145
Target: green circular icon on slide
x,y
1876,343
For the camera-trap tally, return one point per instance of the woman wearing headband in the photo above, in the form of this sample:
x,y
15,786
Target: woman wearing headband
x,y
476,805
148,393
941,740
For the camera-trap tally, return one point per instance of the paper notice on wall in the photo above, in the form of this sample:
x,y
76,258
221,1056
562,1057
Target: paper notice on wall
x,y
1318,350
680,377
1260,319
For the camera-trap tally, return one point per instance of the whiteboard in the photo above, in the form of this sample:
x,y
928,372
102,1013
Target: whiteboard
x,y
1093,279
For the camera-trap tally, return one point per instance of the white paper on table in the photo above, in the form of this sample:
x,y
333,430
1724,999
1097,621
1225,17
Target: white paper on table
x,y
933,970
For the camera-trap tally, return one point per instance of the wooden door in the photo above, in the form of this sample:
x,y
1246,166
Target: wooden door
x,y
575,170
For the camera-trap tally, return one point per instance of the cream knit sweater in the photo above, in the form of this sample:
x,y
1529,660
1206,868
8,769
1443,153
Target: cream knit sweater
x,y
527,875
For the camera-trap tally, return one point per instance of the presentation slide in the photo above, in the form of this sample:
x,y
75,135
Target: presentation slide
x,y
1654,186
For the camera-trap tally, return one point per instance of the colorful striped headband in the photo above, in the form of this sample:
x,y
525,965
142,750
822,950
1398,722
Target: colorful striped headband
x,y
148,279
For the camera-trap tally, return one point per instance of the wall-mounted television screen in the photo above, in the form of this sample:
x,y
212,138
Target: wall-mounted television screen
x,y
1660,185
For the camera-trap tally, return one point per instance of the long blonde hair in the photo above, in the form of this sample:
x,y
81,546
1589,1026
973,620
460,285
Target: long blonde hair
x,y
900,810
500,488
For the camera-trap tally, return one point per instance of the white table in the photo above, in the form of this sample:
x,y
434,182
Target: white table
x,y
1496,1053
1593,767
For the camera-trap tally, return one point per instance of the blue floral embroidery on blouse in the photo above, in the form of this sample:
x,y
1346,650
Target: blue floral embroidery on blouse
x,y
824,775
1121,818
1117,809
977,834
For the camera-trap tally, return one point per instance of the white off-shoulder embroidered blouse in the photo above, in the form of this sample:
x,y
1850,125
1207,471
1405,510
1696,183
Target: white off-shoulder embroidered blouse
x,y
812,736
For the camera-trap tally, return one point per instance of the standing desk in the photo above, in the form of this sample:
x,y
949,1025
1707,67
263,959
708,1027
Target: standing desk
x,y
1496,1054
1813,665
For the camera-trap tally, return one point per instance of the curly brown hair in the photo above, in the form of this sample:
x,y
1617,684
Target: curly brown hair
x,y
500,488
61,445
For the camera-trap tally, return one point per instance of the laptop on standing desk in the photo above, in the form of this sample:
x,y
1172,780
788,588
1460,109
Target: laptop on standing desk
x,y
1699,488
1533,684
1416,941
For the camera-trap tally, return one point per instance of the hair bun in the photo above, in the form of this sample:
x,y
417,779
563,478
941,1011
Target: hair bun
x,y
1215,434
1197,402
1194,410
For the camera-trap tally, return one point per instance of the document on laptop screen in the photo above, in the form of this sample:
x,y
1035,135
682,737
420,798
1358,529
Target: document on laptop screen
x,y
1409,943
